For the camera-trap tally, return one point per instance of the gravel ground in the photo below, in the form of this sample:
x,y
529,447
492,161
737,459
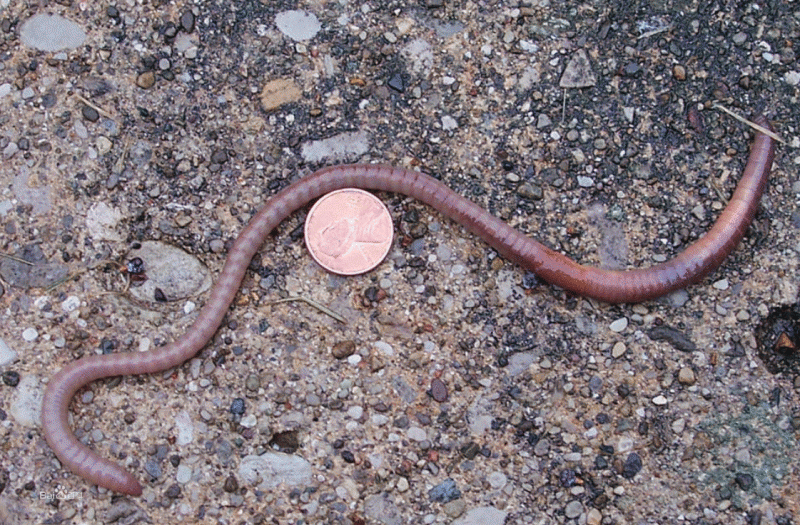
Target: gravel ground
x,y
460,390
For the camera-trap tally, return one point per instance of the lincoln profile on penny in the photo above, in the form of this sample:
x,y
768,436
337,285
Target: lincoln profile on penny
x,y
612,286
348,231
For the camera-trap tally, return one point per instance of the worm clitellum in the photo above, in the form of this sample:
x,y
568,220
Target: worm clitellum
x,y
611,286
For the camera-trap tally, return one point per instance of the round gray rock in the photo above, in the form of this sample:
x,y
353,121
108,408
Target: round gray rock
x,y
173,271
47,32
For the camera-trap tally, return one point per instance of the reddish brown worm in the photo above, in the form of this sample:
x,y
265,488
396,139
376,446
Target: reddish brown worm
x,y
606,285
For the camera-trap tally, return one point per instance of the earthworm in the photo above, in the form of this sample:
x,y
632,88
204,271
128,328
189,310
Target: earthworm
x,y
611,286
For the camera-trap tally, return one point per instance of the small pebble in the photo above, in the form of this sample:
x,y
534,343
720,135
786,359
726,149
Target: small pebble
x,y
594,517
216,246
238,406
30,334
187,22
355,412
660,400
249,421
402,484
146,80
573,509
438,390
497,480
10,150
10,378
449,123
383,347
90,114
103,145
618,350
416,434
632,466
231,484
686,376
343,349
445,492
183,474
455,508
619,325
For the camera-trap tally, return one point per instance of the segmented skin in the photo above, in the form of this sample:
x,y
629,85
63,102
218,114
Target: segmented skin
x,y
605,285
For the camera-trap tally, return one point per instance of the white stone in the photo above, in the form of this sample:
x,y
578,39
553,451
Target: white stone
x,y
660,400
449,123
792,78
497,480
619,325
416,434
298,25
183,474
482,516
274,468
102,221
30,334
248,421
355,412
71,303
339,147
26,402
185,427
384,348
7,355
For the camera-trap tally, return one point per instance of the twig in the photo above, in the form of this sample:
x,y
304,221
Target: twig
x,y
64,279
23,261
753,125
311,302
120,164
655,31
95,106
73,275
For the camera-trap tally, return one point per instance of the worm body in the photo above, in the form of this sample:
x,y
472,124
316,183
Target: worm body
x,y
606,285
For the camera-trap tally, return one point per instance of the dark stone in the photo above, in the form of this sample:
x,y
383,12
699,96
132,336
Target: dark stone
x,y
744,480
438,390
237,406
173,492
396,82
676,338
187,21
470,450
231,484
219,156
445,492
153,468
632,466
11,378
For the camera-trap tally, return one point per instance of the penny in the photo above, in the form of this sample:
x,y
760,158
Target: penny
x,y
349,231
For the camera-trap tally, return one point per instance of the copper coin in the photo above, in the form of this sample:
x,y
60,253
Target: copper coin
x,y
349,231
